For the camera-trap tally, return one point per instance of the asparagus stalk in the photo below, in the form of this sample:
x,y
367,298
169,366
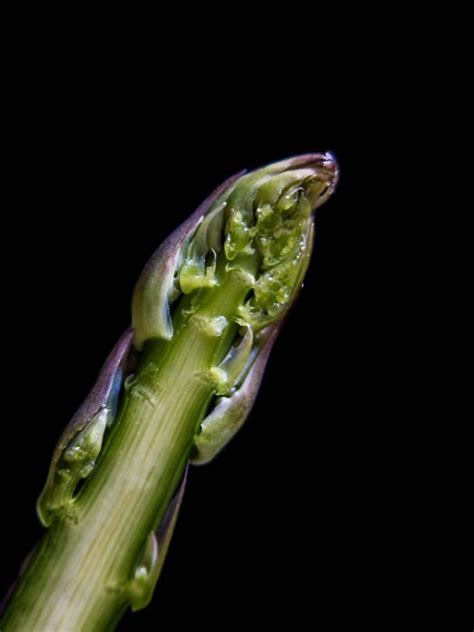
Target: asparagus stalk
x,y
176,388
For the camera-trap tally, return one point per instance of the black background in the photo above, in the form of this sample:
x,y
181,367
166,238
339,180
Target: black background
x,y
286,521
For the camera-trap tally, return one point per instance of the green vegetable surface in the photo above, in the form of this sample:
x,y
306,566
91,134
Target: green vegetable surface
x,y
179,384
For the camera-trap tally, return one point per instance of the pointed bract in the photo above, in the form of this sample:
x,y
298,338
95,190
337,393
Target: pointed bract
x,y
80,443
230,413
156,288
151,564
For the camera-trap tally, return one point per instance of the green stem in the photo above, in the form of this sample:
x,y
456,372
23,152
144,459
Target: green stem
x,y
78,578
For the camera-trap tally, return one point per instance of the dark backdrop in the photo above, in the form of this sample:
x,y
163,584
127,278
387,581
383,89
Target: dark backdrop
x,y
281,524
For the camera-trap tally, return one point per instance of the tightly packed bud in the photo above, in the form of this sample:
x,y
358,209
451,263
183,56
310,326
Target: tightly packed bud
x,y
259,225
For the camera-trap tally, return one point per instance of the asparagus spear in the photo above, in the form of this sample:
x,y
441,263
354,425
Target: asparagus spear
x,y
175,389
